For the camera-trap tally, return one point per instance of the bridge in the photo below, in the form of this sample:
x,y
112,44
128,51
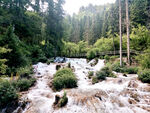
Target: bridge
x,y
109,53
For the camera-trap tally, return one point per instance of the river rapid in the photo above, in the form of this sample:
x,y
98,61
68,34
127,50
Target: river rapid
x,y
114,95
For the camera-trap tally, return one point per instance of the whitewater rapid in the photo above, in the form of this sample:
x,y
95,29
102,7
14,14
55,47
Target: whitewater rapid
x,y
114,95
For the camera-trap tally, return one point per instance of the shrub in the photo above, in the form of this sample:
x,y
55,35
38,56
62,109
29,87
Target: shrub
x,y
94,80
25,71
144,76
143,59
64,81
63,101
101,57
90,74
64,78
62,72
112,58
69,65
131,70
48,62
96,61
107,58
116,67
101,75
23,84
92,53
105,72
7,93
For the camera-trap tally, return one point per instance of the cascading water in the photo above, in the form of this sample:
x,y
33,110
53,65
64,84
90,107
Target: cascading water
x,y
114,95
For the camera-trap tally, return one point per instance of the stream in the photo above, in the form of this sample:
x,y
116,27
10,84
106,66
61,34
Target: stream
x,y
114,95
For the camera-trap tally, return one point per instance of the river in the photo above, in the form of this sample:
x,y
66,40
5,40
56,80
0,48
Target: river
x,y
114,95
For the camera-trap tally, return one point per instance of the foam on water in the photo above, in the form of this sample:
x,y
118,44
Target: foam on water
x,y
109,96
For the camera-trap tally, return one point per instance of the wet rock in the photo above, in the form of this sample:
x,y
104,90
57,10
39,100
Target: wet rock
x,y
132,84
50,84
147,89
60,101
125,75
58,66
120,81
101,94
116,100
19,110
131,101
73,68
57,98
146,108
135,96
60,60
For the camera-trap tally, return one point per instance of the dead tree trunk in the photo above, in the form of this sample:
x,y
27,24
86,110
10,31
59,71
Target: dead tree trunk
x,y
120,28
128,33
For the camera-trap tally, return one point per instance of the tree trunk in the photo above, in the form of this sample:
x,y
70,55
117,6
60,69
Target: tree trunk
x,y
120,28
114,46
128,33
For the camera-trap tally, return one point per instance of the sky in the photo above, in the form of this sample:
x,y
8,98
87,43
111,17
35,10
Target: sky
x,y
72,6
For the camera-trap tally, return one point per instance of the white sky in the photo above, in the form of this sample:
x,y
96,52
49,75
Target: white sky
x,y
72,6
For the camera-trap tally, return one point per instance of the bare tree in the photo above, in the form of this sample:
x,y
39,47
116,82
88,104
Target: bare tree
x,y
128,33
120,28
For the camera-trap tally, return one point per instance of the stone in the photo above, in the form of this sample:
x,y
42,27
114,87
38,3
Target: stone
x,y
57,98
131,101
125,75
132,84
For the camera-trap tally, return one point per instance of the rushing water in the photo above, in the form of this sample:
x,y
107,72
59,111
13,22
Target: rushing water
x,y
114,95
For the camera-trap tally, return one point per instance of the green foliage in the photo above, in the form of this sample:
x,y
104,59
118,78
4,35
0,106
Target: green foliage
x,y
64,78
140,38
143,59
63,101
63,71
16,58
3,66
107,58
144,75
129,70
48,62
69,65
51,60
90,74
7,93
71,49
36,54
104,44
92,53
25,71
105,72
116,67
23,84
101,75
113,58
94,80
